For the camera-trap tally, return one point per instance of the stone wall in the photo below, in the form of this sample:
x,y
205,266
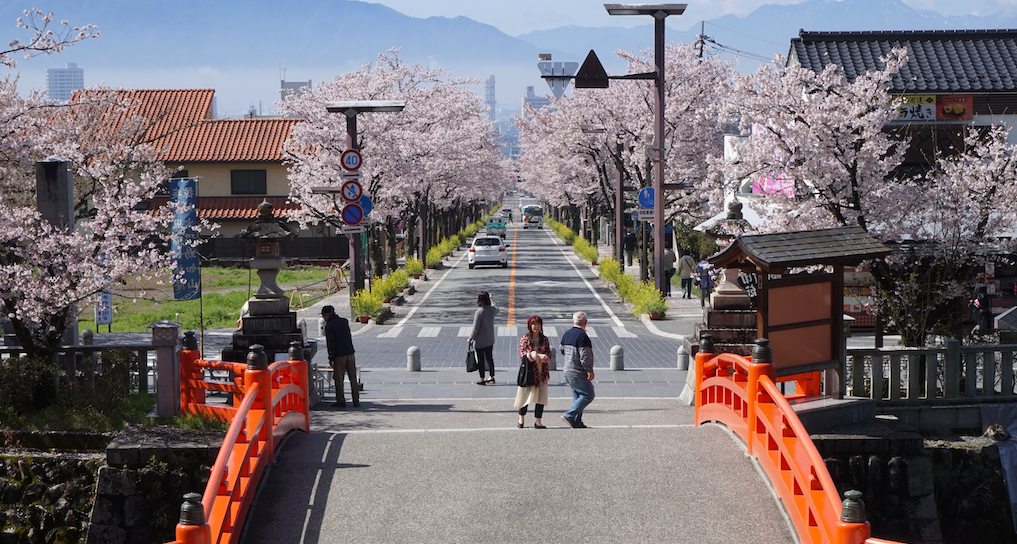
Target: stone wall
x,y
45,499
936,493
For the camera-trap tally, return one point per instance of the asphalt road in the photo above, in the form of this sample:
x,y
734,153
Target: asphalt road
x,y
432,457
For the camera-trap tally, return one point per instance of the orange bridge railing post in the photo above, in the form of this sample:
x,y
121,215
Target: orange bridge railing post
x,y
193,529
762,359
704,354
189,354
257,372
297,357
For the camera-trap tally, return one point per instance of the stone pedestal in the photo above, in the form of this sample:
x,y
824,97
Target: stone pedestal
x,y
728,295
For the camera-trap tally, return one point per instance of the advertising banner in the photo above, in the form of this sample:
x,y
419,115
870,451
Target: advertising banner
x,y
186,286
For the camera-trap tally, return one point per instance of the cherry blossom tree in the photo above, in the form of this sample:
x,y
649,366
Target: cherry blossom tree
x,y
825,142
46,272
440,150
564,166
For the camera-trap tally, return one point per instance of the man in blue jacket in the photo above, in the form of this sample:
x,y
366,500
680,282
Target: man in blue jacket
x,y
578,370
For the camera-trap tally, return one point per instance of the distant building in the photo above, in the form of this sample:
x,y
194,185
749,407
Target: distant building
x,y
287,88
62,82
531,99
489,100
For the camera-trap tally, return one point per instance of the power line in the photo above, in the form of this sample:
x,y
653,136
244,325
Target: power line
x,y
746,35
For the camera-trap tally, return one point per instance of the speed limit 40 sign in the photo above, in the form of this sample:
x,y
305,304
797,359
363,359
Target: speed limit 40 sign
x,y
351,159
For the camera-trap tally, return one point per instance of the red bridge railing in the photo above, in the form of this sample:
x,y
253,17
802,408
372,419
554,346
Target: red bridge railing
x,y
269,401
742,395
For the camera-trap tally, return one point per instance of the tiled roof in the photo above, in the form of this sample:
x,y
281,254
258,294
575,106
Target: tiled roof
x,y
184,129
939,61
234,207
844,245
228,140
168,109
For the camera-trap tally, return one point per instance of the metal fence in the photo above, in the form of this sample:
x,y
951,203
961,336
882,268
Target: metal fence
x,y
923,375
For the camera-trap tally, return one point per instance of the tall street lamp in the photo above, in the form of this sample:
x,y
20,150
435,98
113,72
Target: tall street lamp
x,y
659,13
351,108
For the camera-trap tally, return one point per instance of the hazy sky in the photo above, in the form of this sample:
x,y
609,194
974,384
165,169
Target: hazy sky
x,y
515,17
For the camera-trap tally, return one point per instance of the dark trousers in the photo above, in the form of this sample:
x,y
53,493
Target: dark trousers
x,y
485,360
687,287
538,410
628,257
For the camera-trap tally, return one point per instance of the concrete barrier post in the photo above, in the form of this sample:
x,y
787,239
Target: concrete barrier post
x,y
413,359
617,358
683,358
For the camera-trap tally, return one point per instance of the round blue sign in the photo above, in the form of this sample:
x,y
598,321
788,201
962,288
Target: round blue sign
x,y
646,197
366,204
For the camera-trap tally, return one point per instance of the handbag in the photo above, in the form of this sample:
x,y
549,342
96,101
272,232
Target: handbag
x,y
525,378
471,359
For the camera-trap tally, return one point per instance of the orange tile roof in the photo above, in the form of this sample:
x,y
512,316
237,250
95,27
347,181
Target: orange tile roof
x,y
228,140
168,109
234,207
184,129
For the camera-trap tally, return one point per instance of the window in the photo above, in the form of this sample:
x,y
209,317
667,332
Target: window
x,y
248,182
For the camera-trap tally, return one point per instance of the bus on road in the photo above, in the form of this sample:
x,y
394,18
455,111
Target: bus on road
x,y
533,216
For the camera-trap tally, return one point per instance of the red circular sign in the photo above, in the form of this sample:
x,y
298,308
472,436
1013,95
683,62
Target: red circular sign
x,y
352,191
352,214
351,159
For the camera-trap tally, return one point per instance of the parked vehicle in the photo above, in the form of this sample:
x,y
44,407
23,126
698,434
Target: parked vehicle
x,y
488,250
495,226
533,216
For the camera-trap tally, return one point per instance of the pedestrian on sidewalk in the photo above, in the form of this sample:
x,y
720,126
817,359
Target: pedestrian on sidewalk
x,y
536,349
704,276
686,268
578,369
341,355
482,336
629,245
668,265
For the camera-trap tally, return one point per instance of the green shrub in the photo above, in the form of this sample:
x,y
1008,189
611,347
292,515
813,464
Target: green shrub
x,y
610,270
365,302
645,299
26,384
433,257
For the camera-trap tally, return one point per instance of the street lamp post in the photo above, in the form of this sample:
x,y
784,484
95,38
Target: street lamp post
x,y
351,109
659,13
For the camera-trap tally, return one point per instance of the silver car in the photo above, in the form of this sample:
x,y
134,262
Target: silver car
x,y
488,250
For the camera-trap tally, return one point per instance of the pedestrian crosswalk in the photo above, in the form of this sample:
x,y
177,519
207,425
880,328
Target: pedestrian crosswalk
x,y
432,331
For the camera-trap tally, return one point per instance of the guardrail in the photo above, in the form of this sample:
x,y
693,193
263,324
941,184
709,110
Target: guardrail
x,y
270,401
743,396
922,375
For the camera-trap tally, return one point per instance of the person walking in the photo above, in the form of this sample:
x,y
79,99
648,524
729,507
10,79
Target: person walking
x,y
536,349
629,245
341,356
578,369
704,274
482,336
668,266
686,268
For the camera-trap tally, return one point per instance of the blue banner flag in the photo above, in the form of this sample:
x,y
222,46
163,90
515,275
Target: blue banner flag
x,y
187,285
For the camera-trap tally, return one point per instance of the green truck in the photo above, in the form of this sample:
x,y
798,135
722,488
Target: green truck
x,y
496,226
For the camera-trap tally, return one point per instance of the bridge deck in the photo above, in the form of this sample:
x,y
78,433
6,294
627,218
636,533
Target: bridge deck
x,y
457,470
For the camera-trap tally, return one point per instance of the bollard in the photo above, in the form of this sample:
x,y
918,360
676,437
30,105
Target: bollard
x,y
321,326
413,359
617,358
683,358
192,528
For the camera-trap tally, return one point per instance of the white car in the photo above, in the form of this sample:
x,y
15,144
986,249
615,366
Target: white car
x,y
488,250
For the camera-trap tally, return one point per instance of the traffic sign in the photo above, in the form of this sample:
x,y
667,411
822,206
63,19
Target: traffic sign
x,y
645,214
646,197
352,191
352,214
366,204
353,230
351,159
346,176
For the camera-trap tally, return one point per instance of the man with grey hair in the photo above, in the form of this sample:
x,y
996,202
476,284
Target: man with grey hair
x,y
578,370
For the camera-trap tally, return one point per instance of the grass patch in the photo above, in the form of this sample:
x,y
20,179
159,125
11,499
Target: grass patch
x,y
221,309
71,417
197,422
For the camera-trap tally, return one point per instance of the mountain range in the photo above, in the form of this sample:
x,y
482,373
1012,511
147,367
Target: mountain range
x,y
243,48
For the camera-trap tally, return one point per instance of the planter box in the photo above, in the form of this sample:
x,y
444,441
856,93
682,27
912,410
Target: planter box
x,y
363,318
